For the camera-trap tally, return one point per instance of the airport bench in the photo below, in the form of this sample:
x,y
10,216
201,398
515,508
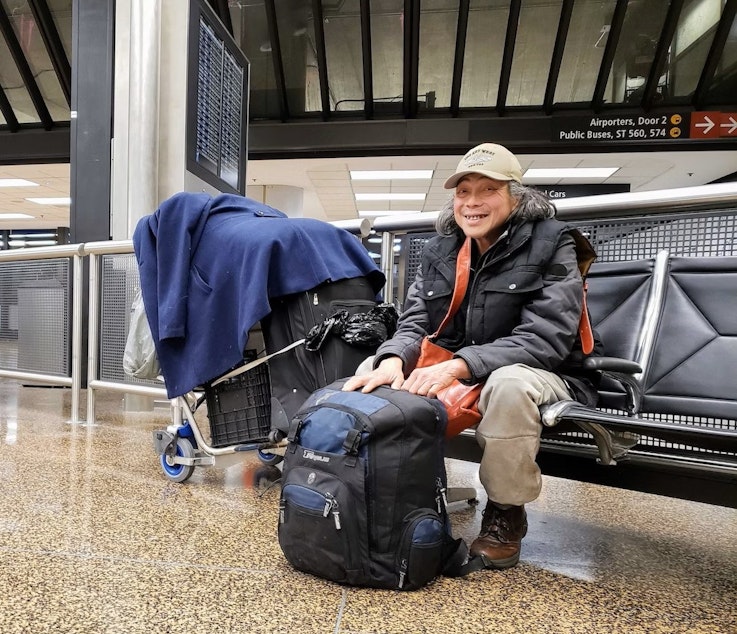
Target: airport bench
x,y
666,421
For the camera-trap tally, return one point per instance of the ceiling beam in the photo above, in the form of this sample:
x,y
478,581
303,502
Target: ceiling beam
x,y
411,57
33,144
564,23
281,84
605,69
509,41
54,47
16,51
439,135
322,60
460,50
10,119
368,76
661,53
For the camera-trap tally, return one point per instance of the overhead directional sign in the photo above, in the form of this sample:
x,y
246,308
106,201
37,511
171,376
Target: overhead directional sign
x,y
559,192
728,124
705,125
644,128
595,129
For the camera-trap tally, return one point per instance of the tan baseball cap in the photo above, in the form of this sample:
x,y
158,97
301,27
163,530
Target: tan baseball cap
x,y
488,159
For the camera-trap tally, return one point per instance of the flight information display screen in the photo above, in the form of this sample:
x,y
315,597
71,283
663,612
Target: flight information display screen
x,y
217,103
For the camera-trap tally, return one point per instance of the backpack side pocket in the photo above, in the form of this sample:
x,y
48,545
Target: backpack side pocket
x,y
421,547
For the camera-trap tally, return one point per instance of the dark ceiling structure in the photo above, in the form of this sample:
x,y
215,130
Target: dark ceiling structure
x,y
404,76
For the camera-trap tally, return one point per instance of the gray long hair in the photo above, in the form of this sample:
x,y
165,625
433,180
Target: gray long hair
x,y
532,204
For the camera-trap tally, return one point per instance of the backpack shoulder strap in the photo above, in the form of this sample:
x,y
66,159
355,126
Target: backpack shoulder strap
x,y
457,563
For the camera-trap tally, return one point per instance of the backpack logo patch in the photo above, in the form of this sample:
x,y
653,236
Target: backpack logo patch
x,y
311,455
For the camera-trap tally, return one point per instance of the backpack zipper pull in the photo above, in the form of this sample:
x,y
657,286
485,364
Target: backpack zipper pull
x,y
328,504
441,497
336,516
402,572
315,301
281,511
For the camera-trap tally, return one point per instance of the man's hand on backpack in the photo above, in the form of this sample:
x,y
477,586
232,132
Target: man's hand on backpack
x,y
432,379
389,372
423,381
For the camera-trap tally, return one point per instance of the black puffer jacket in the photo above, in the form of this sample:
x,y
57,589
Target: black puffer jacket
x,y
523,305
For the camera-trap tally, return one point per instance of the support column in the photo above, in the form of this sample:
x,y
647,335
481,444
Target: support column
x,y
136,127
90,134
151,59
91,116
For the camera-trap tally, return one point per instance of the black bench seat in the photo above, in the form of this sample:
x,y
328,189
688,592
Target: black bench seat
x,y
669,383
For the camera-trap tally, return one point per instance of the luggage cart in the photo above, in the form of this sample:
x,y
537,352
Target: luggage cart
x,y
239,408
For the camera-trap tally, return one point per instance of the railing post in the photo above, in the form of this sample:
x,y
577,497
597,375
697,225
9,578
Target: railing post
x,y
77,293
387,264
93,334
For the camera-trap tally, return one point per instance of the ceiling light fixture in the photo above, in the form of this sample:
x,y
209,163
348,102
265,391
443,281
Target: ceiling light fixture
x,y
16,182
16,216
569,172
374,175
50,201
388,196
387,212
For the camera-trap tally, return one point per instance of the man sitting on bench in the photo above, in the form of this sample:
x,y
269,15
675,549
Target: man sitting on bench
x,y
516,330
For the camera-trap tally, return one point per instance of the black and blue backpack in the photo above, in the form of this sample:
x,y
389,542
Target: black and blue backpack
x,y
363,490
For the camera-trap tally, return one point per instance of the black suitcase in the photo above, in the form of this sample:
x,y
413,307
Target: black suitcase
x,y
297,373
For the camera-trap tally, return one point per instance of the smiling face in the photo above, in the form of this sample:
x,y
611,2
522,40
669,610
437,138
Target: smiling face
x,y
481,207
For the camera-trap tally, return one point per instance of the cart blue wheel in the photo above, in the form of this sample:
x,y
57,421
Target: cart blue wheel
x,y
269,458
179,472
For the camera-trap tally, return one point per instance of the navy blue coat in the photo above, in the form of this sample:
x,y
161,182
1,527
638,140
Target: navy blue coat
x,y
208,267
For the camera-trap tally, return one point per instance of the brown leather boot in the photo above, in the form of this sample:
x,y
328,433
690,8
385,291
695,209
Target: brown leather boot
x,y
501,535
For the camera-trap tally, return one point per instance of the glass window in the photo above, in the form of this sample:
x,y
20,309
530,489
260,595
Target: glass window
x,y
643,23
34,50
387,55
693,38
587,37
724,86
61,12
298,56
252,34
343,49
15,89
533,50
438,26
482,61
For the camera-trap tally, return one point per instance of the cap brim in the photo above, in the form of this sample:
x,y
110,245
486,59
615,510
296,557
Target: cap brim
x,y
453,180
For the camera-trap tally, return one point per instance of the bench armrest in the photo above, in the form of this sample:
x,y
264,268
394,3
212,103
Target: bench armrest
x,y
612,364
623,371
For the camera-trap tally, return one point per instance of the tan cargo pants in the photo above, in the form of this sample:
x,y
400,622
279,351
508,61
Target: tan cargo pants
x,y
510,428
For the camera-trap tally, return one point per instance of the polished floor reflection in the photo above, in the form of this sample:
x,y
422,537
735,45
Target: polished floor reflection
x,y
94,539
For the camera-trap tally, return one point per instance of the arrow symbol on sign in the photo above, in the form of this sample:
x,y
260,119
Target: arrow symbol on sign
x,y
707,125
732,126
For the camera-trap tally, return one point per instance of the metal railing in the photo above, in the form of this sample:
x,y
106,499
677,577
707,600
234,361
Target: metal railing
x,y
71,377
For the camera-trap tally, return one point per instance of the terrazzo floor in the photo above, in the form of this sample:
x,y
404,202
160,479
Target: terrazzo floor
x,y
95,540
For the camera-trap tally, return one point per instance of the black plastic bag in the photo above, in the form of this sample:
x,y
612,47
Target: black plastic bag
x,y
366,330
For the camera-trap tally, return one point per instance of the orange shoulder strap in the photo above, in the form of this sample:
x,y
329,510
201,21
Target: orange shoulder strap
x,y
463,272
